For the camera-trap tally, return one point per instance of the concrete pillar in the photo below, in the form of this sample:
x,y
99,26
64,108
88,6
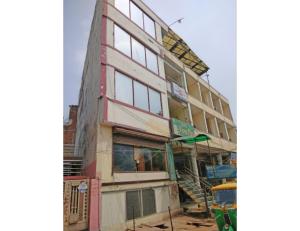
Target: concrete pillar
x,y
226,131
220,162
185,82
211,100
195,165
220,102
204,119
190,114
217,127
200,93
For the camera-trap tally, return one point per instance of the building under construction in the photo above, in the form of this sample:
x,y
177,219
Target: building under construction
x,y
142,97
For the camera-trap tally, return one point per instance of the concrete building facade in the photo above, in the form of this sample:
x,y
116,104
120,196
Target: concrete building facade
x,y
136,96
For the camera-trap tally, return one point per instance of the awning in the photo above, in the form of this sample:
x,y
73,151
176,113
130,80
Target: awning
x,y
192,139
183,52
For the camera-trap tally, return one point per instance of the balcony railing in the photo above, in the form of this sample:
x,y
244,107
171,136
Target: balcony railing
x,y
73,167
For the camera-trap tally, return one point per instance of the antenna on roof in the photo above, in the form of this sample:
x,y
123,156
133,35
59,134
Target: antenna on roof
x,y
178,20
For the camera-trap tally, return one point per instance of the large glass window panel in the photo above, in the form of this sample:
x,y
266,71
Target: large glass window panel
x,y
123,158
151,61
138,52
155,103
147,158
136,15
123,88
122,41
123,6
140,96
158,160
149,25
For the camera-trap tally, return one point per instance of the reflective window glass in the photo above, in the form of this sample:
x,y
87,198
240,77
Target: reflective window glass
x,y
155,103
122,41
138,52
149,25
123,88
140,96
158,160
136,15
123,158
123,6
151,61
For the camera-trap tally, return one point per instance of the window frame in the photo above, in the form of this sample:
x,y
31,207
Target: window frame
x,y
141,205
114,39
143,13
131,56
164,153
161,106
156,57
115,89
148,94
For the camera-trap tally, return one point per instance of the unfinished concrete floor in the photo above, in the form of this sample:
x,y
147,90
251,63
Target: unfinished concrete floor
x,y
181,222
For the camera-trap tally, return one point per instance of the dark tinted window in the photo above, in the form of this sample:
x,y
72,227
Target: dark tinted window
x,y
123,158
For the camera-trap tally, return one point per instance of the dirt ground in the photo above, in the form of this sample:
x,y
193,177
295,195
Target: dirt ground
x,y
181,222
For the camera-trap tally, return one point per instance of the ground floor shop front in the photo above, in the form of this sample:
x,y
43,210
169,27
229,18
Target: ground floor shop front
x,y
128,205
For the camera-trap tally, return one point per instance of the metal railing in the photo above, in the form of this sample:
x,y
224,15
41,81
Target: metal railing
x,y
73,167
189,173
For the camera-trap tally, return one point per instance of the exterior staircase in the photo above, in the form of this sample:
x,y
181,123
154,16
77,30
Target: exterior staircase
x,y
196,188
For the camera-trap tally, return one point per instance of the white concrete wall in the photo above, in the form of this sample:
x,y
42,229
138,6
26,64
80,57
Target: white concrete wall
x,y
114,207
88,110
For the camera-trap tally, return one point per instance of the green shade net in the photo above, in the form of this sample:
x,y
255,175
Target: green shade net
x,y
198,138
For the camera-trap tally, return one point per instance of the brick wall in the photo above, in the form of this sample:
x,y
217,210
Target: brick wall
x,y
70,126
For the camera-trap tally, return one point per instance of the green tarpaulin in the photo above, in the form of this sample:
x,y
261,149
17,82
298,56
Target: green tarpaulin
x,y
193,139
171,165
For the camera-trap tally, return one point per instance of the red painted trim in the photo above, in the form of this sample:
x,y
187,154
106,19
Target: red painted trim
x,y
90,170
107,45
94,205
137,109
75,177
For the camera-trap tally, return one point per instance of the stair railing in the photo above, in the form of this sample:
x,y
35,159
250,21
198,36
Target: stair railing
x,y
196,178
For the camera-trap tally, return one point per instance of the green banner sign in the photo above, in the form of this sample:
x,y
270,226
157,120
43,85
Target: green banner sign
x,y
181,128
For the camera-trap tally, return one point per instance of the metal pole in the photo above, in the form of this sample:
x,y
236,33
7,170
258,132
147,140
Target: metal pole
x,y
206,202
133,218
170,218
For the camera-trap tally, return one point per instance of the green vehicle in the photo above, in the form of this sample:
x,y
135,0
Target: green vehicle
x,y
224,206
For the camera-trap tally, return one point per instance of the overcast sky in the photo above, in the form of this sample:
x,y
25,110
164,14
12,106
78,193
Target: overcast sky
x,y
209,28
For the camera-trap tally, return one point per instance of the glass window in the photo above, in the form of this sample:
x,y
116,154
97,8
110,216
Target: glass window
x,y
123,6
158,160
151,61
149,25
138,52
133,204
148,198
122,41
136,14
123,88
140,96
155,103
123,158
147,158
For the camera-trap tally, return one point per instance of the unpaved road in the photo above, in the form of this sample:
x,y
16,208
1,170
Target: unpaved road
x,y
181,222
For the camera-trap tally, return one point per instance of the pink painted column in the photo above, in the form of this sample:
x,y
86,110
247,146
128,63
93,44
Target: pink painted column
x,y
94,216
